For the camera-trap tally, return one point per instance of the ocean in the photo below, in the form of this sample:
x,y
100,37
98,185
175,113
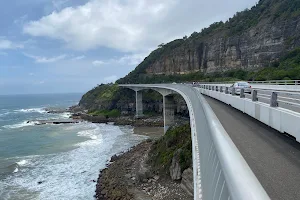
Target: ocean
x,y
53,162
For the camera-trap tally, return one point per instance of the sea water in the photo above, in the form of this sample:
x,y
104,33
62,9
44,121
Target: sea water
x,y
53,161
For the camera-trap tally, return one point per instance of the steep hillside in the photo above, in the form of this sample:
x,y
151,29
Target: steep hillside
x,y
257,44
249,41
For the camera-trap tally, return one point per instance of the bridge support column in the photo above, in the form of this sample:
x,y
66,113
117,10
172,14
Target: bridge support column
x,y
169,111
139,104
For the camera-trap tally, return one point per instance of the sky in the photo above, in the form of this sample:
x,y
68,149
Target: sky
x,y
66,46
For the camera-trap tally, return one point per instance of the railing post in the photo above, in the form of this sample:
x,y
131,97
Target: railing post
x,y
226,90
209,87
254,95
273,100
242,93
233,91
217,88
221,88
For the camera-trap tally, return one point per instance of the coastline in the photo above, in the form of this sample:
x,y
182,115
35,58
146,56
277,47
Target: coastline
x,y
129,177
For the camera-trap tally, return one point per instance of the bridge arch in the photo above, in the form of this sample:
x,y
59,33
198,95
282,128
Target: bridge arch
x,y
219,170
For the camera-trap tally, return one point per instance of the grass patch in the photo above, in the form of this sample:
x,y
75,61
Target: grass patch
x,y
161,154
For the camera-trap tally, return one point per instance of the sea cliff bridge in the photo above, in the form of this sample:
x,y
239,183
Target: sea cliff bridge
x,y
239,143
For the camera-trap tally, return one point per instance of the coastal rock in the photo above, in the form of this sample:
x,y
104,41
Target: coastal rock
x,y
113,158
187,181
253,48
175,169
144,172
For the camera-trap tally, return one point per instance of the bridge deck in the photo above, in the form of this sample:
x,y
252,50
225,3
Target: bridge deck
x,y
273,157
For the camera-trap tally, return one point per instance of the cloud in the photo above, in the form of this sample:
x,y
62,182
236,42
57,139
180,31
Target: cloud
x,y
59,4
127,60
41,59
110,79
98,62
130,25
78,58
131,59
7,44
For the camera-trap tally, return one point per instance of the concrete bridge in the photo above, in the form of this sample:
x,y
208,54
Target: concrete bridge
x,y
220,170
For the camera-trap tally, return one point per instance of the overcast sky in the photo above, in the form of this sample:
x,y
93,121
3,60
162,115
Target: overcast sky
x,y
55,46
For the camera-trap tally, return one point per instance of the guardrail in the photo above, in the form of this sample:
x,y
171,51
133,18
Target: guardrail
x,y
277,82
220,171
270,82
282,99
280,110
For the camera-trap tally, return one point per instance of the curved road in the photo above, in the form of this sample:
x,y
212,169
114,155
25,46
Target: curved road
x,y
273,157
221,178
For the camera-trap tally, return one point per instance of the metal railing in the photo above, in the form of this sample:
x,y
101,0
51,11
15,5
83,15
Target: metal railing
x,y
282,99
270,82
277,82
220,171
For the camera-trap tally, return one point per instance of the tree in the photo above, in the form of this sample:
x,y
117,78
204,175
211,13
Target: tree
x,y
161,45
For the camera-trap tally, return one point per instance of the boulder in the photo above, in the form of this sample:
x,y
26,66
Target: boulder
x,y
187,181
175,169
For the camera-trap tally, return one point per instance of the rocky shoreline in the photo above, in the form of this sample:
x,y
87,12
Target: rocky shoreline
x,y
150,121
128,177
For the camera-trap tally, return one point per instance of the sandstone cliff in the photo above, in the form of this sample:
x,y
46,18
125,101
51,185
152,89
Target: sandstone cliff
x,y
251,40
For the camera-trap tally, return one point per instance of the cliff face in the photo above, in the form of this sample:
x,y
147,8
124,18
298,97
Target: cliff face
x,y
251,40
255,48
263,42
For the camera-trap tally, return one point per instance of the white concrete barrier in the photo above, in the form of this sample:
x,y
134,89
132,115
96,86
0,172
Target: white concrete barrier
x,y
283,120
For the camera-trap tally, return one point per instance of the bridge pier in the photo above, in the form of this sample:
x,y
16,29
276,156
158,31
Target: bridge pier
x,y
139,104
169,112
168,106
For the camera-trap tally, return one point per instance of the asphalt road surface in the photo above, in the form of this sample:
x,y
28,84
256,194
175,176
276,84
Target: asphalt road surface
x,y
273,157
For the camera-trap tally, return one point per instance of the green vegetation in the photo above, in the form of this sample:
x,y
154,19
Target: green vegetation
x,y
161,154
146,79
139,72
108,97
108,113
287,68
103,92
265,11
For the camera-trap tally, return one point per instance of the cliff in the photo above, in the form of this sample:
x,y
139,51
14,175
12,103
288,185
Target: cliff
x,y
249,41
257,44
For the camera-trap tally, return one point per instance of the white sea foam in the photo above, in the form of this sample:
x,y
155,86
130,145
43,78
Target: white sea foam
x,y
92,134
16,170
4,114
69,175
22,162
65,115
32,110
20,125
